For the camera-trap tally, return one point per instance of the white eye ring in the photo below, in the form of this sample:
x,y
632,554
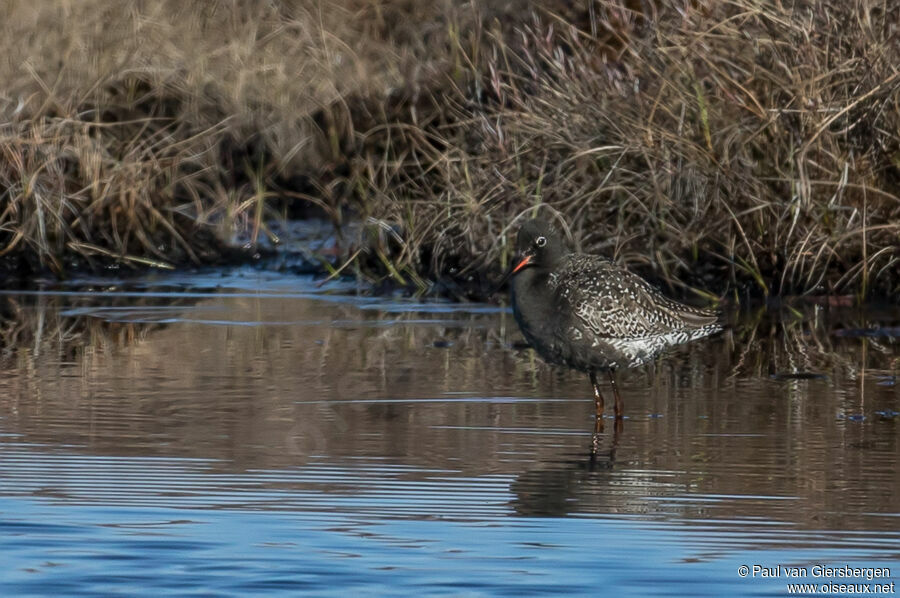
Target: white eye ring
x,y
540,241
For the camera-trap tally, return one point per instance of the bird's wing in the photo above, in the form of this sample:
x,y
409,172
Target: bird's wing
x,y
614,303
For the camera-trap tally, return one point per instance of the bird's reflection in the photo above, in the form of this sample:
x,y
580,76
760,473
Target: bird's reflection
x,y
561,487
600,457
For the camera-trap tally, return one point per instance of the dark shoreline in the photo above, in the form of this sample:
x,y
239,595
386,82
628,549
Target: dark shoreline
x,y
475,286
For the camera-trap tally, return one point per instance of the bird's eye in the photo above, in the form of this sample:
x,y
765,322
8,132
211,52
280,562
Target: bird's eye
x,y
540,241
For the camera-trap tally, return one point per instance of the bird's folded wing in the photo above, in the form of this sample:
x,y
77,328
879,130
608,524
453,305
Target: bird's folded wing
x,y
614,303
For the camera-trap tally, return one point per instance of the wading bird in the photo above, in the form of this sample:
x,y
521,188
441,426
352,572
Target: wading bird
x,y
585,312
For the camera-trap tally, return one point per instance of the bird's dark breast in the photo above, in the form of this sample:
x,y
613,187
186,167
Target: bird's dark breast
x,y
549,325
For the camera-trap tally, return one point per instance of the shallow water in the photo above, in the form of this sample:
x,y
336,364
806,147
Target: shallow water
x,y
247,433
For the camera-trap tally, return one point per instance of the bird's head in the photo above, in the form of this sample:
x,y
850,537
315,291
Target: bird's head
x,y
538,245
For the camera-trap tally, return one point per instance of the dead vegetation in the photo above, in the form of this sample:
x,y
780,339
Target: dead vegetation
x,y
732,148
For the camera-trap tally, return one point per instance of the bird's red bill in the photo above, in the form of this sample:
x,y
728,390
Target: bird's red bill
x,y
525,261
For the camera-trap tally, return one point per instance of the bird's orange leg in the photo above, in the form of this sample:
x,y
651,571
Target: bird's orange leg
x,y
618,408
598,398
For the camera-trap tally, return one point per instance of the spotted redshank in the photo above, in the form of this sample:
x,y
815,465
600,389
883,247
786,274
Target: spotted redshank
x,y
587,313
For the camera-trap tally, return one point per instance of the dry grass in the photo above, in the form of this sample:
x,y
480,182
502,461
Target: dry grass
x,y
742,148
726,145
126,128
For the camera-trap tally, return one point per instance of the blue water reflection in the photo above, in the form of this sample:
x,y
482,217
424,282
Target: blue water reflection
x,y
248,433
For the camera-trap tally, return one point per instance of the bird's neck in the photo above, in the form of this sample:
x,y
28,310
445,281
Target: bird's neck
x,y
533,298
